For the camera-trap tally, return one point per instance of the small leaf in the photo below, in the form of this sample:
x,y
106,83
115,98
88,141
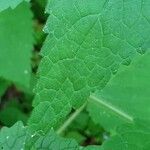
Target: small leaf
x,y
13,138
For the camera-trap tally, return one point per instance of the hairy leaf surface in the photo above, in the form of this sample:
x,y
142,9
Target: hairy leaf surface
x,y
13,138
127,137
127,96
53,142
86,43
130,137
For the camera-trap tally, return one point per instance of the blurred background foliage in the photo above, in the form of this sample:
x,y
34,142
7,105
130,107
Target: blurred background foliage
x,y
16,101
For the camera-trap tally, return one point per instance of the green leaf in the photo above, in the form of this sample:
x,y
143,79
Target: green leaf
x,y
130,137
19,137
125,97
86,43
127,137
52,142
16,42
13,138
39,117
4,4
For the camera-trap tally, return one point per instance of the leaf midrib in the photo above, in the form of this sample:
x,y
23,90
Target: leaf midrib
x,y
111,108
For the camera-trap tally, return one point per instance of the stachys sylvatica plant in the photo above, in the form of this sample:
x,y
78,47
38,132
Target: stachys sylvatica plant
x,y
95,58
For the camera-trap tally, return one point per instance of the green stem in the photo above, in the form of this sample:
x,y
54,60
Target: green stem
x,y
71,119
101,103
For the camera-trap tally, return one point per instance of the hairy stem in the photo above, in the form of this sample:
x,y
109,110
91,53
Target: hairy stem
x,y
101,103
71,119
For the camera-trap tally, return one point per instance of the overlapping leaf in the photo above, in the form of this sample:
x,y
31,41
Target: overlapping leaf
x,y
127,137
86,43
127,95
51,141
130,137
16,138
13,138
